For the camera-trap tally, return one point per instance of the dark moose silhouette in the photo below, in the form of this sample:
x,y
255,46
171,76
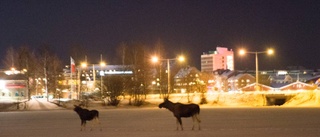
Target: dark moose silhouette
x,y
87,115
183,110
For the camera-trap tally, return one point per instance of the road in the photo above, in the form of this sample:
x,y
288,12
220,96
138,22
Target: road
x,y
154,122
41,104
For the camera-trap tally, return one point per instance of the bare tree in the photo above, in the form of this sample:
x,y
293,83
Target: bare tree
x,y
121,52
161,69
54,75
10,58
50,63
27,61
135,56
77,52
202,84
115,88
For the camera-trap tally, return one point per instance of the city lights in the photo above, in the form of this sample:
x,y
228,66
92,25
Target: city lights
x,y
156,59
269,52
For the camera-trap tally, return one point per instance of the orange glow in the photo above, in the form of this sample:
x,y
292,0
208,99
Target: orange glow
x,y
181,58
154,59
242,52
83,65
270,51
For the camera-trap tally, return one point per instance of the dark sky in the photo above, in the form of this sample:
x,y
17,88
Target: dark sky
x,y
291,27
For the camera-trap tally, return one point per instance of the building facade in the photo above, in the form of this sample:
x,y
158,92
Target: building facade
x,y
90,78
222,58
13,87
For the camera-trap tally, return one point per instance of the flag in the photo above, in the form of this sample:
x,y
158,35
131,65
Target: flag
x,y
73,65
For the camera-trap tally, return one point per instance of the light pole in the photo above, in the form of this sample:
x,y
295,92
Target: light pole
x,y
79,82
91,85
269,52
102,64
156,59
82,65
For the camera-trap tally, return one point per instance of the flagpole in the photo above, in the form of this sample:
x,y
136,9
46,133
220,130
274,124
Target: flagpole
x,y
72,70
71,77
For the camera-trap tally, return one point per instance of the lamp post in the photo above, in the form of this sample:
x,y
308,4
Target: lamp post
x,y
102,64
82,65
156,59
79,82
269,52
91,86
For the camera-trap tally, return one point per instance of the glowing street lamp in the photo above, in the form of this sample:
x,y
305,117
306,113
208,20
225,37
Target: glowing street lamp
x,y
85,65
82,65
102,64
155,59
269,52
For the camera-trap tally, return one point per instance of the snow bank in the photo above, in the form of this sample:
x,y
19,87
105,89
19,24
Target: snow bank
x,y
213,100
305,98
222,99
300,99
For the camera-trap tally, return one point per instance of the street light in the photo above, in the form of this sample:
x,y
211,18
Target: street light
x,y
82,65
155,59
269,52
102,64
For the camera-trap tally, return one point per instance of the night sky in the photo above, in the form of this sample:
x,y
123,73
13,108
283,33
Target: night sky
x,y
291,27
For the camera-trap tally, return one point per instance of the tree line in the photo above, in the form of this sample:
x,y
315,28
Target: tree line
x,y
45,67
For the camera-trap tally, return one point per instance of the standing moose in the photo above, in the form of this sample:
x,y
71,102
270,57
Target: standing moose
x,y
86,115
183,110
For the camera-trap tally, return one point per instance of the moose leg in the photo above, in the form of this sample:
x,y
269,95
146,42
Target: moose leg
x,y
83,125
193,120
98,122
92,126
179,121
177,124
198,120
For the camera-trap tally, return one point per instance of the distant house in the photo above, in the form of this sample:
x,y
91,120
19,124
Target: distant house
x,y
298,86
314,80
239,81
295,86
223,83
186,79
283,78
252,87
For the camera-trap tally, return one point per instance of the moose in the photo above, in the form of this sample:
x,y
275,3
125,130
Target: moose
x,y
183,110
87,115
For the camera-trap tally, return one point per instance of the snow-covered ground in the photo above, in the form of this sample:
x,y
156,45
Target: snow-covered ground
x,y
155,122
41,104
223,116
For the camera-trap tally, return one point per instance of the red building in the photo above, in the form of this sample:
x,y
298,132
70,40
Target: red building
x,y
298,86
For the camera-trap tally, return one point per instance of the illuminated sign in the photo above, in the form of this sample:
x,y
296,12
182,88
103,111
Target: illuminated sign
x,y
118,72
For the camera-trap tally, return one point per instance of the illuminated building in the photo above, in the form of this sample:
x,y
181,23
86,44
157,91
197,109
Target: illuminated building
x,y
222,58
13,87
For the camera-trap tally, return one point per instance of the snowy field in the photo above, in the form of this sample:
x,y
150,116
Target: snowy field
x,y
221,117
155,122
